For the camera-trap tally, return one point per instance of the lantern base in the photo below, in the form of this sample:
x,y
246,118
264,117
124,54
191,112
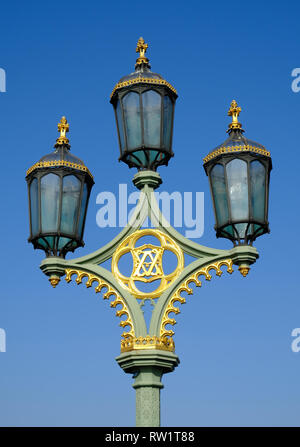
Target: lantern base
x,y
150,178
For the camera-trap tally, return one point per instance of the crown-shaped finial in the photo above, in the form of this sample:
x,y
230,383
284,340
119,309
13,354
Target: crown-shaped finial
x,y
141,48
63,128
234,111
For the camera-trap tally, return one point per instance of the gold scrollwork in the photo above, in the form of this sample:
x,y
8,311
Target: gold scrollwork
x,y
147,262
184,287
109,292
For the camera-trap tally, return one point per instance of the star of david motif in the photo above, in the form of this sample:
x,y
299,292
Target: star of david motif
x,y
147,262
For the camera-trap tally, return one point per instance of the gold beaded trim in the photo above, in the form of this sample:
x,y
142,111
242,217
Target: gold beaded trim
x,y
148,342
143,81
56,163
229,149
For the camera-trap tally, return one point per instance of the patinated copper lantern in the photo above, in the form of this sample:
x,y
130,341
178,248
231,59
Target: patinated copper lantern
x,y
239,175
59,186
144,105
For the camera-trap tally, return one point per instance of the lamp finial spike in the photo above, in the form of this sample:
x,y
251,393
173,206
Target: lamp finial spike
x,y
141,48
63,128
234,111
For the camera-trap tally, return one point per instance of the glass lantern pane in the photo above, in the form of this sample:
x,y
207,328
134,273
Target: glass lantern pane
x,y
63,241
82,209
131,105
50,189
155,155
258,230
152,118
51,241
139,158
237,180
241,229
120,124
168,111
258,189
34,206
229,230
217,178
70,203
43,243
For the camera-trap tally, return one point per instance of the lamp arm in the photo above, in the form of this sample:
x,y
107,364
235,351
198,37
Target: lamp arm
x,y
102,279
160,317
196,268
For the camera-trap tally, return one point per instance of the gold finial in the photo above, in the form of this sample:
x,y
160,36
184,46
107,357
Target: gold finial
x,y
234,111
244,270
54,280
63,128
141,48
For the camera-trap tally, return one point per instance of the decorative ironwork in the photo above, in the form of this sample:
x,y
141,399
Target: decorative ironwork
x,y
147,262
63,128
231,149
244,270
184,287
234,111
143,80
141,48
54,280
148,342
109,292
58,163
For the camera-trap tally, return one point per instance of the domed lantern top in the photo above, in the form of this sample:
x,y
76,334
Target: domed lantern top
x,y
59,186
239,175
144,107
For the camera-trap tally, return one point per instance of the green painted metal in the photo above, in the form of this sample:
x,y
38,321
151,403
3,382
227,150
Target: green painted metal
x,y
148,366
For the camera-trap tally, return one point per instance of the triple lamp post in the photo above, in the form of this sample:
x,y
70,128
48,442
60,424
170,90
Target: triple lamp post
x,y
59,187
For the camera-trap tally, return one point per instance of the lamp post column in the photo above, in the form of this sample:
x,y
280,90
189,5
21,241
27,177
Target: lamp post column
x,y
147,367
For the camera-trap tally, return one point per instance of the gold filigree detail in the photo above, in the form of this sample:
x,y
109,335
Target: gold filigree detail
x,y
141,48
242,148
147,262
148,342
234,111
58,163
244,270
63,128
184,287
109,292
142,80
54,280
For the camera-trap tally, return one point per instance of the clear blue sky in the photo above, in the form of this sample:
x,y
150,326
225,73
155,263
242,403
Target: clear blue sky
x,y
234,334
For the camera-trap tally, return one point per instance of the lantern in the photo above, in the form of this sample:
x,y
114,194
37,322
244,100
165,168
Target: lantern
x,y
144,108
59,187
239,175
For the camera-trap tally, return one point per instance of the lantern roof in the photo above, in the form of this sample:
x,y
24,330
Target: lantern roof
x,y
61,156
142,73
236,141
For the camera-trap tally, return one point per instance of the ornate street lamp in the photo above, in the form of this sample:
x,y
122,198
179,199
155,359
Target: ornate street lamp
x,y
144,105
59,186
239,174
